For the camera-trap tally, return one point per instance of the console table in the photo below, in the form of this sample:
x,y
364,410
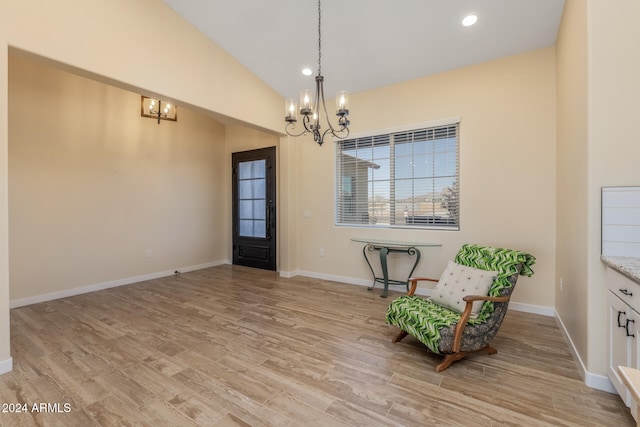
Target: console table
x,y
385,247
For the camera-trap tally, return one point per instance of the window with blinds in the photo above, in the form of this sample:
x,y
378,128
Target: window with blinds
x,y
400,179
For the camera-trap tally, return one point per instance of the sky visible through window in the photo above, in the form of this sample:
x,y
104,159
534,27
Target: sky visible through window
x,y
432,164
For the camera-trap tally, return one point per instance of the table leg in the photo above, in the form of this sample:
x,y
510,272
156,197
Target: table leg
x,y
384,252
364,254
385,272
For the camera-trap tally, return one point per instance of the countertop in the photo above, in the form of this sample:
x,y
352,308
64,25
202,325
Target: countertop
x,y
629,266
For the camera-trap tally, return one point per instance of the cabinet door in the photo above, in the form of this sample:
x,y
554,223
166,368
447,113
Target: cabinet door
x,y
621,343
634,329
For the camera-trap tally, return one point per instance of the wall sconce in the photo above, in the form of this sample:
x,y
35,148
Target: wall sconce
x,y
156,109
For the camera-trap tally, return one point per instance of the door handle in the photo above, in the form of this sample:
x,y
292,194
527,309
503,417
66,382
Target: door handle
x,y
626,327
619,313
268,219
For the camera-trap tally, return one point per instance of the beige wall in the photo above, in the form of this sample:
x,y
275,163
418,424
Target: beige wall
x,y
507,162
613,152
572,169
598,91
5,354
93,186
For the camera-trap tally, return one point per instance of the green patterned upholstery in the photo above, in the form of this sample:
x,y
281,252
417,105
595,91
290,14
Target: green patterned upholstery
x,y
434,325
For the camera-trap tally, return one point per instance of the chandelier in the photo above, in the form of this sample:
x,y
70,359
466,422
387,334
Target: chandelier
x,y
311,107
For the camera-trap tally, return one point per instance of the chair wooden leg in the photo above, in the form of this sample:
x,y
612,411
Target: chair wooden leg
x,y
399,337
489,350
449,358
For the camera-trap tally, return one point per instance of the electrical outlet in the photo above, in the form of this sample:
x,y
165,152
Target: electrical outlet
x,y
561,284
148,253
321,251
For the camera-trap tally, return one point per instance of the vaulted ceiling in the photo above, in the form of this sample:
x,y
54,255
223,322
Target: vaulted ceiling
x,y
369,43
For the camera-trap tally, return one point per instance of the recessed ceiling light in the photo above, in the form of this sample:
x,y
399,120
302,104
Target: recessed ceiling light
x,y
469,20
307,71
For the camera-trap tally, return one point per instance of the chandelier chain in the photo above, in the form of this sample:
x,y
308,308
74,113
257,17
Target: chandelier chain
x,y
319,41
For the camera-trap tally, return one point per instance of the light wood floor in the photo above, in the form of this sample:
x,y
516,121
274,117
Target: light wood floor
x,y
232,346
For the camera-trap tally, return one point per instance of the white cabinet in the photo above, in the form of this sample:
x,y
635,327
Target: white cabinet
x,y
620,343
624,329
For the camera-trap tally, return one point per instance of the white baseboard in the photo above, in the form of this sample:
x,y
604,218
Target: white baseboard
x,y
517,306
288,274
599,382
6,366
21,302
333,278
533,309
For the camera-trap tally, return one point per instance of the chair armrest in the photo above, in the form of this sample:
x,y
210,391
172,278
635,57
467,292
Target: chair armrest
x,y
413,283
472,298
464,318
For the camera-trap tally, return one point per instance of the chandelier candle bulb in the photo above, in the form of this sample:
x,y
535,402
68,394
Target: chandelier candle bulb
x,y
342,103
306,101
291,110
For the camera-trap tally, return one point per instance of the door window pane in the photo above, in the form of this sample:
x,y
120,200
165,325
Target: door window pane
x,y
258,169
252,198
259,188
246,227
259,209
259,228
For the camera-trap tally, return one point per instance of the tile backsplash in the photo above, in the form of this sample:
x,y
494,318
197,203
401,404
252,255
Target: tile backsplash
x,y
621,221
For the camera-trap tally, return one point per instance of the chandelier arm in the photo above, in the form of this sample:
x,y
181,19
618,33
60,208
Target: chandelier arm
x,y
334,132
319,101
305,123
324,107
292,125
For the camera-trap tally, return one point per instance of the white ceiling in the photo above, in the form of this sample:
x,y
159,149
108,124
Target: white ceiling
x,y
368,43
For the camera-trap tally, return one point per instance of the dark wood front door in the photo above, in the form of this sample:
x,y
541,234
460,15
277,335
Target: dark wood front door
x,y
254,208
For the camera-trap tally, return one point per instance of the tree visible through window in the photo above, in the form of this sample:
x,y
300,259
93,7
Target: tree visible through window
x,y
408,178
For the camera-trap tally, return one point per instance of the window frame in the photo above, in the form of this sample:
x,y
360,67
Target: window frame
x,y
390,134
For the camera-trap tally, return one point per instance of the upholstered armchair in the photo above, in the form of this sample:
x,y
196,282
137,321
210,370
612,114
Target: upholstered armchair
x,y
467,306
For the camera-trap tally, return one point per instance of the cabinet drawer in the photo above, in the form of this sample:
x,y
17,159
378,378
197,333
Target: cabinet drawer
x,y
624,288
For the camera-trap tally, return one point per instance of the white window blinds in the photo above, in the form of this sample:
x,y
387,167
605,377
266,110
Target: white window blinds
x,y
403,179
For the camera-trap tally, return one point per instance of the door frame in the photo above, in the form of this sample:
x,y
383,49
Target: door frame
x,y
255,251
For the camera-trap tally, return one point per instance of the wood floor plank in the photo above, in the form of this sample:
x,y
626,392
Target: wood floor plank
x,y
298,410
235,346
